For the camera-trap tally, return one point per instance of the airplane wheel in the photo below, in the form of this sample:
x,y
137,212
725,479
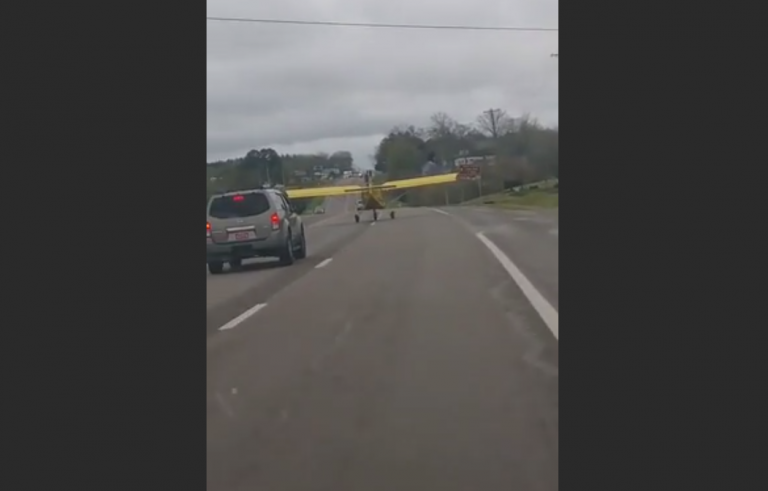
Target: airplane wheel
x,y
375,215
357,218
392,214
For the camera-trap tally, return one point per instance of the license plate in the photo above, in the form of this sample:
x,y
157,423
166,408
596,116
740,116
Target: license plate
x,y
236,236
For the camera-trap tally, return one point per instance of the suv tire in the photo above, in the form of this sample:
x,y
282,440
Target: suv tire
x,y
286,255
301,252
216,267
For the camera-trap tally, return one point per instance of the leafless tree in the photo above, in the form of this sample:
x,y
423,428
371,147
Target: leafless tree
x,y
494,122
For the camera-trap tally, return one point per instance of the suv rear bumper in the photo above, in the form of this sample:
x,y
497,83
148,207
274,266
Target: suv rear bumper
x,y
267,246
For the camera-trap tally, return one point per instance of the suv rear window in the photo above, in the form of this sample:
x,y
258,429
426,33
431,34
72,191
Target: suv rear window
x,y
239,206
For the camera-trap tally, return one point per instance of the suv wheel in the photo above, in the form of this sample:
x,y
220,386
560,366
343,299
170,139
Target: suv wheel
x,y
301,252
286,256
216,267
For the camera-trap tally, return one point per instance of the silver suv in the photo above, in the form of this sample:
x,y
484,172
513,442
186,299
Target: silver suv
x,y
251,223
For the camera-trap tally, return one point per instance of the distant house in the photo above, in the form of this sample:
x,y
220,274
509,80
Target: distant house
x,y
477,160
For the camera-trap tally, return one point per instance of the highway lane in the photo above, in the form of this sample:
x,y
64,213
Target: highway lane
x,y
528,237
410,362
232,293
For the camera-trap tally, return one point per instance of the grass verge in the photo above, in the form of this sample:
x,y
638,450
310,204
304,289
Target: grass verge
x,y
539,198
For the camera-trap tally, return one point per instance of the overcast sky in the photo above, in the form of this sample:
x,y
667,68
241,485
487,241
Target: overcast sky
x,y
311,88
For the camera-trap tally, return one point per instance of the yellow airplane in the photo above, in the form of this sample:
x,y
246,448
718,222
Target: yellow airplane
x,y
372,195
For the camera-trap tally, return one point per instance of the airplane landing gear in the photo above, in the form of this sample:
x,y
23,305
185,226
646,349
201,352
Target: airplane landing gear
x,y
392,214
375,215
357,218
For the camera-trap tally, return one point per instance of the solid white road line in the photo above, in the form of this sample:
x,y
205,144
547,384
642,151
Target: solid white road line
x,y
324,263
548,314
437,210
240,318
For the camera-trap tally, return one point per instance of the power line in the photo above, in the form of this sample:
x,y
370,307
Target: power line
x,y
385,26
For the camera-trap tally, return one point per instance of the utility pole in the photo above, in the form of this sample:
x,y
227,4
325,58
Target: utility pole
x,y
493,121
494,117
480,185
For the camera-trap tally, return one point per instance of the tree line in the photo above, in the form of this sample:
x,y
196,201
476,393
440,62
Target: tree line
x,y
509,150
265,165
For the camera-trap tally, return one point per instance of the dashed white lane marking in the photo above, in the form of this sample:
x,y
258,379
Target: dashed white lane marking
x,y
437,210
373,223
548,314
324,263
240,318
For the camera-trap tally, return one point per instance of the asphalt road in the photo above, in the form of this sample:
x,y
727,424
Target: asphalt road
x,y
402,356
231,294
528,238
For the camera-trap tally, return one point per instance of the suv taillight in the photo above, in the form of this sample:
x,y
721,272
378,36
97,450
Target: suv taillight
x,y
275,219
207,229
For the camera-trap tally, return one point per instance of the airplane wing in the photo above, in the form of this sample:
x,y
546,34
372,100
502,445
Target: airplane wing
x,y
421,181
389,185
322,192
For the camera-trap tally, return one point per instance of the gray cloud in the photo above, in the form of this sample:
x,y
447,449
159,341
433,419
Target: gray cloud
x,y
303,88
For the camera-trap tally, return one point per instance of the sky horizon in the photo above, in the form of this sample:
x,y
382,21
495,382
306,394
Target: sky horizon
x,y
311,89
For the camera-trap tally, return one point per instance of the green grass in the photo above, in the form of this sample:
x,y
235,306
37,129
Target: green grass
x,y
539,198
